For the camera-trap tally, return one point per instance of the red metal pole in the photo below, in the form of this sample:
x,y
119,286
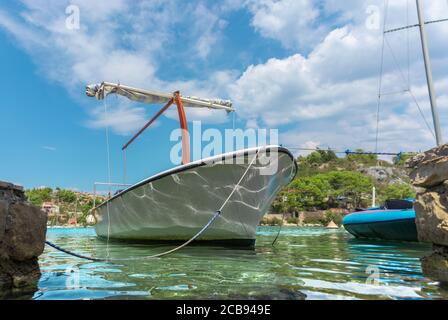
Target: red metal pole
x,y
148,124
184,127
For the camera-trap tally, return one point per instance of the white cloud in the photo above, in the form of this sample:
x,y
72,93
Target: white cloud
x,y
293,22
120,115
330,94
326,88
208,26
117,42
49,148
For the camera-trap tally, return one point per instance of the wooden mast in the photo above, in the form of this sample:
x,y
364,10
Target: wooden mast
x,y
183,125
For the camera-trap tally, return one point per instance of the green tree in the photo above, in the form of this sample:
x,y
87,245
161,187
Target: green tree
x,y
362,158
308,193
350,184
328,155
39,195
402,158
397,191
66,196
320,156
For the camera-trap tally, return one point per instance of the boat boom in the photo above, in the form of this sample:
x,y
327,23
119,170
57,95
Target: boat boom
x,y
100,91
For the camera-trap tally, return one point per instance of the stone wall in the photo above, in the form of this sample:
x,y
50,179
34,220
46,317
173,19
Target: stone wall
x,y
22,238
429,172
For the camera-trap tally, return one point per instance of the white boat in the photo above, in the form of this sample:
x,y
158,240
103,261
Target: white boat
x,y
175,204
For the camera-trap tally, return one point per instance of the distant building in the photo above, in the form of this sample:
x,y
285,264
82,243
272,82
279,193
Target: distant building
x,y
50,208
91,219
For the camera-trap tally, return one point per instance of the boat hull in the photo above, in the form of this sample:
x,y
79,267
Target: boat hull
x,y
176,204
382,224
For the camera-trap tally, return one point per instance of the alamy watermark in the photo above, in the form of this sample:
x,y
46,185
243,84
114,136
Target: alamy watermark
x,y
211,142
73,19
373,275
73,281
373,19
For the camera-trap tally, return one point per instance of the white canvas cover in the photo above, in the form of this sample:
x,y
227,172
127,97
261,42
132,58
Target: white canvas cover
x,y
100,91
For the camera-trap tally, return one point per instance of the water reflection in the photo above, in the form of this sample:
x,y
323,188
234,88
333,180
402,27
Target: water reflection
x,y
306,262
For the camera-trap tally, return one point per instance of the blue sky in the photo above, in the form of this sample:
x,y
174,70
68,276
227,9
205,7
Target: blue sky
x,y
306,68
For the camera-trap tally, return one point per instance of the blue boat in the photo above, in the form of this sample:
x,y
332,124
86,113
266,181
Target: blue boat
x,y
395,220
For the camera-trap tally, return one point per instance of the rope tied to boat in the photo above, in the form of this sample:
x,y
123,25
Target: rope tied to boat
x,y
158,255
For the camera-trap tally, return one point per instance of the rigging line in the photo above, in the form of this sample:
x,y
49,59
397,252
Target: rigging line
x,y
346,151
435,21
108,175
409,89
414,25
422,114
124,157
124,166
401,28
380,80
393,93
408,44
241,179
396,61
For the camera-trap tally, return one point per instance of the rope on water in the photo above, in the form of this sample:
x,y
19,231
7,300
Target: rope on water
x,y
72,253
158,255
279,229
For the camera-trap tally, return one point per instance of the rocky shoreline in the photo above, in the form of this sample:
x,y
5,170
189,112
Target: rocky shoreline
x,y
430,174
22,239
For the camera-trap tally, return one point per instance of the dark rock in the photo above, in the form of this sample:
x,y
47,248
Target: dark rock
x,y
18,274
435,266
22,238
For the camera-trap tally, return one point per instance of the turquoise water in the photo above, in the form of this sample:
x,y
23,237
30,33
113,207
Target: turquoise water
x,y
311,263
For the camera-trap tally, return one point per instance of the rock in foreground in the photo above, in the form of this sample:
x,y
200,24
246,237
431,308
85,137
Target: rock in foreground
x,y
431,211
22,238
435,266
430,172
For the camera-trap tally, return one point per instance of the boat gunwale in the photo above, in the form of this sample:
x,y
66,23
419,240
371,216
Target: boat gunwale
x,y
377,222
200,163
382,219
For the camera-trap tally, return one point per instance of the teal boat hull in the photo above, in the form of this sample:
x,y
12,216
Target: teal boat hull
x,y
396,225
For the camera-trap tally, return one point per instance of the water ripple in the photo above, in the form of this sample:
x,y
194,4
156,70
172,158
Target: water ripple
x,y
306,262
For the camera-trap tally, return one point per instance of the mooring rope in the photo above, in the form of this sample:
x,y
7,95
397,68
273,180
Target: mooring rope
x,y
158,255
279,230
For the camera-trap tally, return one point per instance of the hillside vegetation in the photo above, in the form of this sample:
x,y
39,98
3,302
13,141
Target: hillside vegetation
x,y
70,203
325,181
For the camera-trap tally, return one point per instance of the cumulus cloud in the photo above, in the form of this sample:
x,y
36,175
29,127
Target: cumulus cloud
x,y
293,22
330,93
118,42
320,91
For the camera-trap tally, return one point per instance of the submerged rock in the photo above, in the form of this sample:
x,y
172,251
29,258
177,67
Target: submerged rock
x,y
22,238
435,266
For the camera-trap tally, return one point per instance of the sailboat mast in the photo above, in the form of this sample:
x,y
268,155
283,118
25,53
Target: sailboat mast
x,y
432,95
